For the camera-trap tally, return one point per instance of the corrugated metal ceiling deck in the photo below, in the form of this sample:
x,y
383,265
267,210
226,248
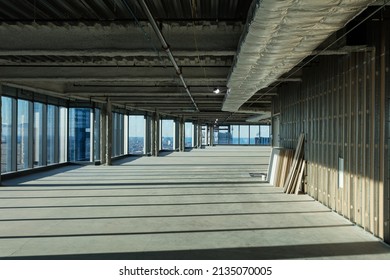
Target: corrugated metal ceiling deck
x,y
27,10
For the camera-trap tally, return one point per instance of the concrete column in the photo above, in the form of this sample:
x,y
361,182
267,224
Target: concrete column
x,y
148,135
109,133
182,141
211,129
199,136
152,135
155,134
194,135
177,135
103,134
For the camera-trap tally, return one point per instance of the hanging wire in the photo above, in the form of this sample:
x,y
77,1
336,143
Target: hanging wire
x,y
385,2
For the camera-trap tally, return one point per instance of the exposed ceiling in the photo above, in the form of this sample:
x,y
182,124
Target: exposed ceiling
x,y
99,49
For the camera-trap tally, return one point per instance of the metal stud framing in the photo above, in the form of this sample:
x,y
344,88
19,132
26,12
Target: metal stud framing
x,y
342,107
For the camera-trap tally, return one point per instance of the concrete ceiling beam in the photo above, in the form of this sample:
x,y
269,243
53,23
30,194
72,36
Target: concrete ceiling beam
x,y
95,36
109,73
113,53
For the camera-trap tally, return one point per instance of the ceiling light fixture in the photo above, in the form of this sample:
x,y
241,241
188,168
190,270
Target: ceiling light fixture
x,y
218,91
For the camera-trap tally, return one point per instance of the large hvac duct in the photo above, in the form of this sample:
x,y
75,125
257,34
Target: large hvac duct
x,y
277,36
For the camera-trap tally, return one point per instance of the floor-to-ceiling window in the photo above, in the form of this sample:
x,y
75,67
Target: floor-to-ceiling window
x,y
114,136
23,149
96,137
118,134
7,105
189,135
136,134
254,133
204,135
39,110
51,133
264,138
235,131
167,135
63,135
79,134
244,135
224,136
34,133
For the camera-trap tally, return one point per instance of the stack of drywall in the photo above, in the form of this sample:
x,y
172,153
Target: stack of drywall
x,y
280,163
286,168
295,175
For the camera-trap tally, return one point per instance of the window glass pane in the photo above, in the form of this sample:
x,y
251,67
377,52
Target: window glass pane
x,y
50,142
224,137
204,135
114,134
22,158
38,134
6,134
216,134
235,134
117,136
254,134
265,135
63,134
244,134
121,134
79,134
167,134
96,137
189,135
136,134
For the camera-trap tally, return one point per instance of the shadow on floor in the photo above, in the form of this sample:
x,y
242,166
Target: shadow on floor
x,y
339,250
37,174
92,184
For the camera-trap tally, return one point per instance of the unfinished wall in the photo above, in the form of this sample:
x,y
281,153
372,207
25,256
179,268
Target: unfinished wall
x,y
342,107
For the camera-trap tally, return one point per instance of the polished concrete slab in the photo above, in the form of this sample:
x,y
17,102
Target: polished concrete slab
x,y
201,204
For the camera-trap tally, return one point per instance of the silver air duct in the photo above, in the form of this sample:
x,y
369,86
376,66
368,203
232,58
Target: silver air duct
x,y
277,36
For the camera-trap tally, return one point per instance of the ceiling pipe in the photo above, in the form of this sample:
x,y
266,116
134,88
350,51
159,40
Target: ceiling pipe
x,y
166,48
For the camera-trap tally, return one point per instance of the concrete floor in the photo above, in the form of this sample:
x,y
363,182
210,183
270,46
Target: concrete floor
x,y
201,204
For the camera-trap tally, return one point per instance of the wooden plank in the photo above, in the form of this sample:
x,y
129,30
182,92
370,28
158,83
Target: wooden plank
x,y
280,168
300,177
284,168
291,176
294,164
294,180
